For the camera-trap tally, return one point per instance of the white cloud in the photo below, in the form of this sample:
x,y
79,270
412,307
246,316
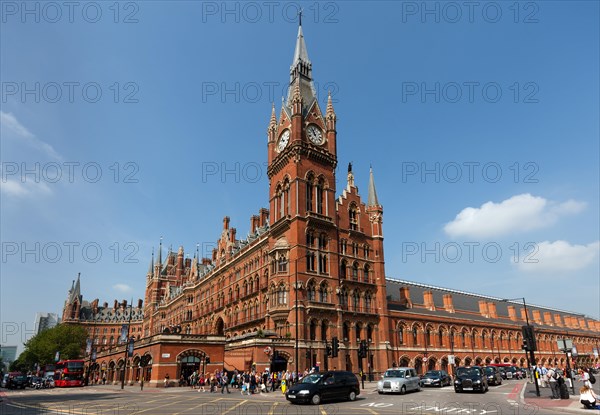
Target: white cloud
x,y
122,288
558,256
9,123
15,188
519,213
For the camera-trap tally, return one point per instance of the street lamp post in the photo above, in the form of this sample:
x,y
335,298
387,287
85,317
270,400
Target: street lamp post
x,y
452,351
126,346
296,287
531,352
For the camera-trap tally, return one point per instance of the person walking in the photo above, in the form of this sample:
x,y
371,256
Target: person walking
x,y
224,383
551,377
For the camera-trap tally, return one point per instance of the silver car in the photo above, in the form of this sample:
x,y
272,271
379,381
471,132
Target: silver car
x,y
399,379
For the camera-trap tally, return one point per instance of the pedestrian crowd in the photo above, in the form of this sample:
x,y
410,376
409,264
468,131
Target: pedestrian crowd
x,y
247,382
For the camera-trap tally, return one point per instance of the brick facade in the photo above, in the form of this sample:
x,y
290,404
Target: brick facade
x,y
312,268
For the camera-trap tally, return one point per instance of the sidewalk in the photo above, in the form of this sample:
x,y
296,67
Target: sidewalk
x,y
571,405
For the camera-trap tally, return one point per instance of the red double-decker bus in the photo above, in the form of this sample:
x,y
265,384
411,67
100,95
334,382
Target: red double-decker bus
x,y
69,373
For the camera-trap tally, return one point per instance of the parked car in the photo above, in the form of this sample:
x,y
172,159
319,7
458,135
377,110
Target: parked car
x,y
326,386
512,372
14,380
399,379
436,378
493,375
470,378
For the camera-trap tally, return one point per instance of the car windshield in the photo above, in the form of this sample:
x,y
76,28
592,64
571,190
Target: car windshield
x,y
511,369
393,374
314,378
433,374
21,377
489,370
467,371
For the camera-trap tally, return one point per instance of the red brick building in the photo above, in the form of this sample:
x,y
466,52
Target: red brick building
x,y
312,268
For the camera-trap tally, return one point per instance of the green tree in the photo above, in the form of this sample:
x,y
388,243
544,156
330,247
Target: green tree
x,y
67,339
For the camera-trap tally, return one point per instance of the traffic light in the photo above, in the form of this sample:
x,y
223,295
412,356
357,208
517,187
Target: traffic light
x,y
362,351
335,346
328,350
207,360
529,338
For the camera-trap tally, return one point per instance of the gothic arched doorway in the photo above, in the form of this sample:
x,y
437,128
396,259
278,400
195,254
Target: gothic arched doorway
x,y
189,365
189,362
278,362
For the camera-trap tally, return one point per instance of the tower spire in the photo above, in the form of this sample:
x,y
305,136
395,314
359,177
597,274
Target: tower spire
x,y
372,200
301,70
159,259
151,268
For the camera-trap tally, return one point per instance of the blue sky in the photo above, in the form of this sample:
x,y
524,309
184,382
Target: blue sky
x,y
149,120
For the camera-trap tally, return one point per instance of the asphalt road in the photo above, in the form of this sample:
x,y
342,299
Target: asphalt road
x,y
110,400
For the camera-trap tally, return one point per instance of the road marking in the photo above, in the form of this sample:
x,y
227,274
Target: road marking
x,y
233,407
323,411
272,408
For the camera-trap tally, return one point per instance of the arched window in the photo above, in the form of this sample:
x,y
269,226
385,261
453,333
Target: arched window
x,y
440,338
309,193
358,331
369,333
463,336
323,293
368,302
310,261
346,331
344,298
343,266
323,241
281,295
356,301
310,291
400,335
353,215
320,194
428,337
415,336
322,264
282,264
324,330
355,271
344,245
313,330
310,238
366,271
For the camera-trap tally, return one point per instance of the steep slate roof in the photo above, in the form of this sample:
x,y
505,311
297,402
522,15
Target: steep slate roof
x,y
466,305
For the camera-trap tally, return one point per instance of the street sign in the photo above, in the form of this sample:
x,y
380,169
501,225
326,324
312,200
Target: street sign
x,y
451,359
564,345
424,359
574,351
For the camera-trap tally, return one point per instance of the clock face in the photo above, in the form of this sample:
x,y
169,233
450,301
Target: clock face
x,y
283,140
315,134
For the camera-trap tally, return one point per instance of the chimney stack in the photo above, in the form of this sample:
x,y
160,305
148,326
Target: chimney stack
x,y
405,297
428,300
492,310
512,313
264,216
448,303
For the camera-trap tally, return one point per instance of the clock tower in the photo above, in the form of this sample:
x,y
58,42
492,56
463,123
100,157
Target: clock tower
x,y
302,147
